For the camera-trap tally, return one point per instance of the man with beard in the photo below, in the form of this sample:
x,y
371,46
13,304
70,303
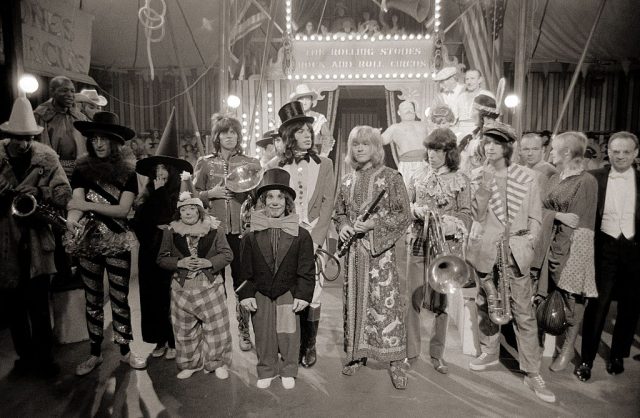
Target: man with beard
x,y
28,168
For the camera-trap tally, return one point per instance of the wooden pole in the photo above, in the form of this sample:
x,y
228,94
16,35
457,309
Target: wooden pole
x,y
185,85
576,73
521,63
223,74
12,35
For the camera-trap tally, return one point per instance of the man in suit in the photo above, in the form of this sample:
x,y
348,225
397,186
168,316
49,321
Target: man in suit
x,y
506,201
617,248
279,272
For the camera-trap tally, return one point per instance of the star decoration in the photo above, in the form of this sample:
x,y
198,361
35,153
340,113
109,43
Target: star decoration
x,y
375,273
380,182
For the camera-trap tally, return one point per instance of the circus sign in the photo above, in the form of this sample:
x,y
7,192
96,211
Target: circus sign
x,y
372,58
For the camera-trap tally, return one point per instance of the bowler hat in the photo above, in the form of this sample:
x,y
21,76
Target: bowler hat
x,y
292,112
105,123
275,179
267,138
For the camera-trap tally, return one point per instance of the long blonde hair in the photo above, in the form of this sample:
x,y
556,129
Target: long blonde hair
x,y
366,134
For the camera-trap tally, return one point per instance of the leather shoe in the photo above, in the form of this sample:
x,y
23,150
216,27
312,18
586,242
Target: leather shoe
x,y
583,372
440,365
615,366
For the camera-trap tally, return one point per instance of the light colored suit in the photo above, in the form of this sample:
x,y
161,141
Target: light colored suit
x,y
524,200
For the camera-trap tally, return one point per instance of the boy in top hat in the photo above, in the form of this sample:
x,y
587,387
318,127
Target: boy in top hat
x,y
196,252
279,271
27,245
507,213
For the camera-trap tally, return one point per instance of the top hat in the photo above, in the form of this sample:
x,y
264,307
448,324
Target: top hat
x,y
445,73
275,179
105,123
292,112
91,96
267,138
499,131
21,121
166,153
302,90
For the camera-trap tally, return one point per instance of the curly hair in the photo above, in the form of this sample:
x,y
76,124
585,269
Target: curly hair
x,y
288,135
443,139
221,124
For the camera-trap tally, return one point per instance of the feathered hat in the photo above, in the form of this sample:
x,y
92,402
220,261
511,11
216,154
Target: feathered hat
x,y
187,191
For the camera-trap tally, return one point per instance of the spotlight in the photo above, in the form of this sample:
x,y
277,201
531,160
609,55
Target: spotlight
x,y
511,101
28,84
233,101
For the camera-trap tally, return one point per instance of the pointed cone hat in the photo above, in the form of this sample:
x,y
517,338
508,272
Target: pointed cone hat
x,y
167,152
21,121
186,196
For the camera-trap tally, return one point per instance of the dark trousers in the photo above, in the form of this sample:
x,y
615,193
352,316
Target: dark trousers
x,y
234,243
617,271
29,322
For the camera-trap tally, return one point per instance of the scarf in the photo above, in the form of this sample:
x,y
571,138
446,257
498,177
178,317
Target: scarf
x,y
288,224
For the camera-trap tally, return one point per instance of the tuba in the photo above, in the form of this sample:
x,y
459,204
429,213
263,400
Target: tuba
x,y
446,272
498,297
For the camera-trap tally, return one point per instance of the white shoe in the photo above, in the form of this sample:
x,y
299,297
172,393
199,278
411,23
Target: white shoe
x,y
264,383
170,354
88,365
288,382
187,373
135,361
222,373
159,351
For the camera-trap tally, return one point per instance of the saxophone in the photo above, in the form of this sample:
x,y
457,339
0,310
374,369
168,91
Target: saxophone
x,y
498,297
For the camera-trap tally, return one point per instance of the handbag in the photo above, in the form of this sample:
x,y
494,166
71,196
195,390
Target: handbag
x,y
553,313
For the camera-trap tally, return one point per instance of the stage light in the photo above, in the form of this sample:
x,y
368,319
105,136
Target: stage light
x,y
427,111
28,84
511,101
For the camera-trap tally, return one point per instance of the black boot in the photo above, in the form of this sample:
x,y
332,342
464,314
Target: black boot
x,y
309,321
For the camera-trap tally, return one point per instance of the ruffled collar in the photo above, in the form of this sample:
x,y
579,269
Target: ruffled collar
x,y
199,229
570,173
441,185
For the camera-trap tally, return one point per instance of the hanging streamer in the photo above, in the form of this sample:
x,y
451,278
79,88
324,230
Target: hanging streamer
x,y
152,21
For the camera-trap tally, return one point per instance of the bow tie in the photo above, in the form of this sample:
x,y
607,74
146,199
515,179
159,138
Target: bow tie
x,y
306,156
288,224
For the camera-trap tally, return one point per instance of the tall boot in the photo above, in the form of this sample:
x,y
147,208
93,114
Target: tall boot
x,y
568,351
311,323
244,338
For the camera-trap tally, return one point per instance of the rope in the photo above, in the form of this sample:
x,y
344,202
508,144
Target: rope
x,y
321,16
190,32
170,99
544,14
152,21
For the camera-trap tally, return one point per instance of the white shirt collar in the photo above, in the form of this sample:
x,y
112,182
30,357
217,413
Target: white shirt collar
x,y
626,175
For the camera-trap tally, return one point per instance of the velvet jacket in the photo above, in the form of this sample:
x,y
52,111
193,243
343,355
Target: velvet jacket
x,y
292,269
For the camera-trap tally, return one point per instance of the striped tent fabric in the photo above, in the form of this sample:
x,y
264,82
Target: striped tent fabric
x,y
481,47
517,179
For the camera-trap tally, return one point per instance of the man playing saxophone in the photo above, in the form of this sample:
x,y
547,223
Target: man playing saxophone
x,y
507,214
26,244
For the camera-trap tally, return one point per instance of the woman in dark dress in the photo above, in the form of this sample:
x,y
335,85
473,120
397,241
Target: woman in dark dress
x,y
154,209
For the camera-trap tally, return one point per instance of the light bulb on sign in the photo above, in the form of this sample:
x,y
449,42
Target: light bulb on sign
x,y
233,101
511,101
28,84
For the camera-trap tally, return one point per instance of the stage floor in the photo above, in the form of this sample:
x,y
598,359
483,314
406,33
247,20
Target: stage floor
x,y
115,389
